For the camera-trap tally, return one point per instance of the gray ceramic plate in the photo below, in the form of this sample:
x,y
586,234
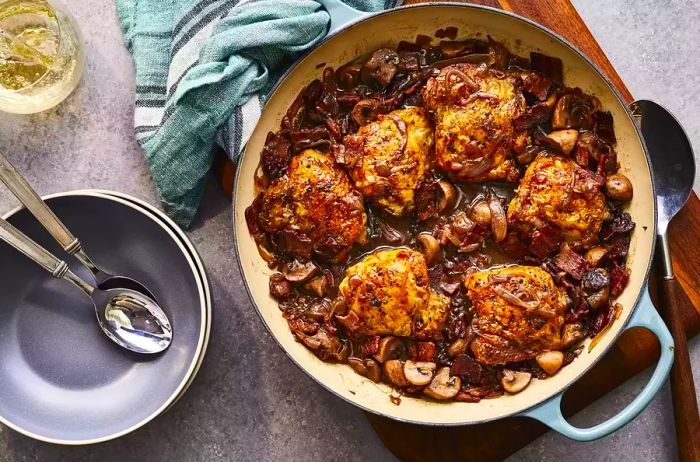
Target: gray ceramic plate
x,y
62,381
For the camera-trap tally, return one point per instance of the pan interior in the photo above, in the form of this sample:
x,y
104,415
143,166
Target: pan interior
x,y
387,29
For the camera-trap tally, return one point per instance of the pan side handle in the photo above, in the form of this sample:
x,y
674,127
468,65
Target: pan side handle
x,y
647,317
341,14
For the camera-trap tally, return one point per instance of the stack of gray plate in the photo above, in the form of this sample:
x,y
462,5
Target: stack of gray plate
x,y
62,380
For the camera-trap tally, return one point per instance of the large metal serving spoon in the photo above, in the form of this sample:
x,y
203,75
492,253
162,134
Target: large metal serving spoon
x,y
131,319
673,163
70,244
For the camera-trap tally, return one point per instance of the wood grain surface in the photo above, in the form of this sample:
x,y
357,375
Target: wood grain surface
x,y
634,351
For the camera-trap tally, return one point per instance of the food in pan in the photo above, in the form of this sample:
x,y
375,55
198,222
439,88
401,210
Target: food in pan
x,y
447,218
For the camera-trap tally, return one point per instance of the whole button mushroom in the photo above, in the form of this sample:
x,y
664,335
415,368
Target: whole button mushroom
x,y
381,67
618,187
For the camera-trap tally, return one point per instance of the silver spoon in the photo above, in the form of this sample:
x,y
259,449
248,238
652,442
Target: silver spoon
x,y
70,244
673,164
129,318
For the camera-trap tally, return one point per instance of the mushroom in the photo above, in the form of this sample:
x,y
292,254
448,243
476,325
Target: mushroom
x,y
448,195
279,286
563,140
418,373
389,347
365,111
458,347
381,67
571,334
499,225
595,255
393,369
573,111
431,247
348,75
297,271
374,372
599,299
481,213
318,285
550,361
358,365
618,187
515,381
443,386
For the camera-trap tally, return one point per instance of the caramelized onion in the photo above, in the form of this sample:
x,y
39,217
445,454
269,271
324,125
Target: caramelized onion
x,y
481,95
499,225
401,126
261,180
473,167
468,81
514,299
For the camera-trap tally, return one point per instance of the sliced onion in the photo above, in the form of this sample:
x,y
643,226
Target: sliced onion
x,y
481,95
473,167
499,225
596,340
461,76
514,299
261,180
401,126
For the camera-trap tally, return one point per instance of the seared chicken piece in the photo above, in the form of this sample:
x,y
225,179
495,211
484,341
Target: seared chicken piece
x,y
557,192
314,208
392,155
389,293
519,313
474,134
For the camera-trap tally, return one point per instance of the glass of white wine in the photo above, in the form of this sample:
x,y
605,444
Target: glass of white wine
x,y
41,56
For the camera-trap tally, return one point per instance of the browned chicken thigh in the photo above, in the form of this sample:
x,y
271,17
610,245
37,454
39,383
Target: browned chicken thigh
x,y
474,113
556,192
314,209
391,156
519,312
388,293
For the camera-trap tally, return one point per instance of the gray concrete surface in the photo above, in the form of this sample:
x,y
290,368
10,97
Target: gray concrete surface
x,y
281,414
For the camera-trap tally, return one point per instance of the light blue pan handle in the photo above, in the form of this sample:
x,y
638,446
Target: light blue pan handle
x,y
647,317
341,14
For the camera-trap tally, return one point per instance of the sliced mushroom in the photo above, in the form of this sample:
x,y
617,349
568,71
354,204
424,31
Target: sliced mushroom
x,y
279,286
571,334
389,348
481,213
358,365
595,255
515,381
297,271
381,67
365,111
619,187
431,247
457,348
418,373
563,140
318,285
443,385
393,369
550,361
448,195
374,372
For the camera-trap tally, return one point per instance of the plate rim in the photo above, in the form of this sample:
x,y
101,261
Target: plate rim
x,y
201,344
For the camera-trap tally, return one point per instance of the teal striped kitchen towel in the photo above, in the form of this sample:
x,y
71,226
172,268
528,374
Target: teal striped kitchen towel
x,y
203,69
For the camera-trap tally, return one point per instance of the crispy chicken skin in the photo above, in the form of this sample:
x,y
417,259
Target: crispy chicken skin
x,y
508,329
315,200
396,152
556,191
474,133
389,291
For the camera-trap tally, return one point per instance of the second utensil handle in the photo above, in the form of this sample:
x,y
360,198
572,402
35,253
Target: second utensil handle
x,y
685,404
26,194
32,250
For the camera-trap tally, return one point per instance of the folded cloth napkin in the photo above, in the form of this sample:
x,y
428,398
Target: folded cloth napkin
x,y
203,70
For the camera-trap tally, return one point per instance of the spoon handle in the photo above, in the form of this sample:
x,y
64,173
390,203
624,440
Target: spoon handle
x,y
27,196
40,255
685,404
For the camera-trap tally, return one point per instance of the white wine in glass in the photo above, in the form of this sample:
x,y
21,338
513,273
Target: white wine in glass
x,y
41,56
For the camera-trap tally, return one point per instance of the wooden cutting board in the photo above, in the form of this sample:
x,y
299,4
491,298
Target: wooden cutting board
x,y
634,351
